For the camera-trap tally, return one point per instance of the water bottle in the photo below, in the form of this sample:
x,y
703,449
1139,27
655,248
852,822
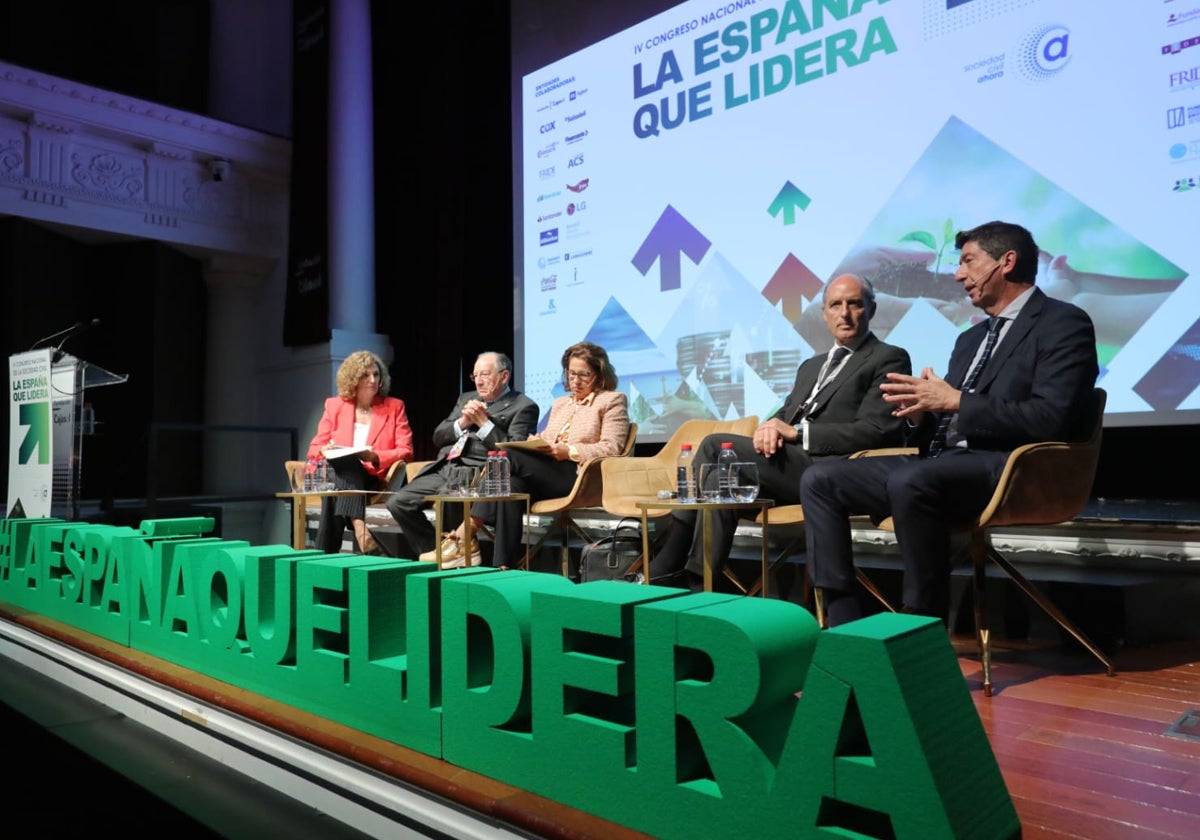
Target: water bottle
x,y
490,469
725,461
87,419
685,480
310,475
503,474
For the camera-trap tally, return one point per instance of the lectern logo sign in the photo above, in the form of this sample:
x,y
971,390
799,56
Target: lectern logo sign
x,y
35,418
30,432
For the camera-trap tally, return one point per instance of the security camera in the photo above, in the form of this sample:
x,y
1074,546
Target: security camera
x,y
219,169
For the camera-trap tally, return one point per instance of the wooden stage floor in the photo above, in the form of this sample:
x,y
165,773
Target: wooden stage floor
x,y
1084,755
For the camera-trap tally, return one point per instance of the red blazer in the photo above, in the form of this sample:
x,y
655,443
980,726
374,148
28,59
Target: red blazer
x,y
390,435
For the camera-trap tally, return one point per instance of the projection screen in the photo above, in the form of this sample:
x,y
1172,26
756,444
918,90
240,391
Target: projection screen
x,y
684,187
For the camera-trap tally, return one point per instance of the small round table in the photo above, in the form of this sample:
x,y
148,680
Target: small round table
x,y
704,509
300,509
466,501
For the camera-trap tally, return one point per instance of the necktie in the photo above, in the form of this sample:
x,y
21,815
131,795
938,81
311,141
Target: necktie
x,y
939,437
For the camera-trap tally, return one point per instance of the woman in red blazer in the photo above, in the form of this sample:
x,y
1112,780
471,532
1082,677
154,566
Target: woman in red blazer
x,y
363,417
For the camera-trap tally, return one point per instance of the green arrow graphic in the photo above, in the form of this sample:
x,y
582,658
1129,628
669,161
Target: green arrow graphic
x,y
788,199
37,417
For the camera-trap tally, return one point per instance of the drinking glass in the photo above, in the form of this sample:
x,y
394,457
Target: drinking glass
x,y
299,478
745,481
456,477
707,485
472,481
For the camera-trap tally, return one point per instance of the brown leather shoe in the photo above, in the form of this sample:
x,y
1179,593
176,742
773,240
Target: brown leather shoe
x,y
367,544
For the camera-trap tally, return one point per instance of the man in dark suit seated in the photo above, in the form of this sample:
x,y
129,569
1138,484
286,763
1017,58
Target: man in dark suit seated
x,y
1025,374
480,420
834,408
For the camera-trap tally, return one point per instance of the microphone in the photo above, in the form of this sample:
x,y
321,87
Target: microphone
x,y
52,336
81,327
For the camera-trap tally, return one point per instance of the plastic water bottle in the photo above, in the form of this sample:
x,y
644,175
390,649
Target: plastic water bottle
x,y
310,475
685,479
503,474
490,470
725,461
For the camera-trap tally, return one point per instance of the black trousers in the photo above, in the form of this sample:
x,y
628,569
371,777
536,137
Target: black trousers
x,y
541,477
778,479
927,499
337,511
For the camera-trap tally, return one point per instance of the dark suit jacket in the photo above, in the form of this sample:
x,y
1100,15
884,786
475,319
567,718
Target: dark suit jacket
x,y
1038,385
849,413
514,417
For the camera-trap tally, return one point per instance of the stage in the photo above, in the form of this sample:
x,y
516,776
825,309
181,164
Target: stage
x,y
1082,754
239,764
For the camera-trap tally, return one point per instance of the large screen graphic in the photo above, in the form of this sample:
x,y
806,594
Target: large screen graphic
x,y
689,184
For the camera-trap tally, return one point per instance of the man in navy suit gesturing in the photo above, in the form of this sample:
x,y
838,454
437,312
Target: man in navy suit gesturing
x,y
1025,374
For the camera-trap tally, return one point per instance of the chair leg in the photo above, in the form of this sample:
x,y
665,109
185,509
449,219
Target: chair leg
x,y
1042,601
870,586
818,595
977,547
784,553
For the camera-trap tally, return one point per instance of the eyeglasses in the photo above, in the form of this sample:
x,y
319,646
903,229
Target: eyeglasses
x,y
484,374
581,375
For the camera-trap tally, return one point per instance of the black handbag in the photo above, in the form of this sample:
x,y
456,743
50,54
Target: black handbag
x,y
610,558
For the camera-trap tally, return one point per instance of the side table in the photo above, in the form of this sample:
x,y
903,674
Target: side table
x,y
300,512
704,509
466,501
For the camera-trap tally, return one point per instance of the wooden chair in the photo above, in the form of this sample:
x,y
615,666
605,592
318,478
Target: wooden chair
x,y
627,480
295,474
773,518
1045,483
587,493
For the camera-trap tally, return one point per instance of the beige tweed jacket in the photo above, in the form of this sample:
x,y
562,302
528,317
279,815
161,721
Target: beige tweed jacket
x,y
599,426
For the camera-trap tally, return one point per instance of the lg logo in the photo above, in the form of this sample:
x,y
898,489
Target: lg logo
x,y
575,161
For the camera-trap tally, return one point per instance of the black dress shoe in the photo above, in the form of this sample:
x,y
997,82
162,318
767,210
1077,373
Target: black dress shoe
x,y
841,608
695,582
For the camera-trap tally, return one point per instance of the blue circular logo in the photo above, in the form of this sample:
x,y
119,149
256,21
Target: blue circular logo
x,y
1044,52
1178,151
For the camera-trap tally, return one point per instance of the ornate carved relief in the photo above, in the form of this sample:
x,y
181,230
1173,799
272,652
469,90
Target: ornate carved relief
x,y
12,156
116,164
106,173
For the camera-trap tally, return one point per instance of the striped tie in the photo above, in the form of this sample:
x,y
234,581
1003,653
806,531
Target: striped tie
x,y
939,437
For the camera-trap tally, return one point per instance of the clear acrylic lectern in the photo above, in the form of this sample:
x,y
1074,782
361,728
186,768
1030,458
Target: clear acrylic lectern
x,y
70,378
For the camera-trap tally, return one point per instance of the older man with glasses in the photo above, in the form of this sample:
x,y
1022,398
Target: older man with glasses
x,y
481,418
